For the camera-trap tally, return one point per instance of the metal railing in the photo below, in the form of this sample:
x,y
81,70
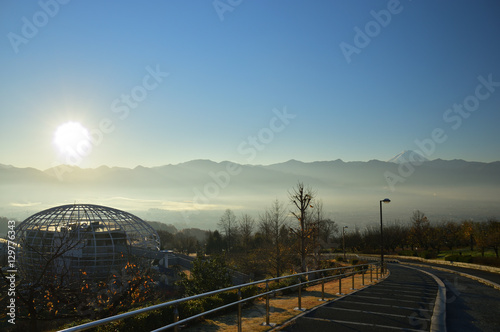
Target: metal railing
x,y
340,273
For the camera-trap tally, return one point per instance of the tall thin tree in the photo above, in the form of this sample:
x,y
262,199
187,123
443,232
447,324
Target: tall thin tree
x,y
301,198
228,225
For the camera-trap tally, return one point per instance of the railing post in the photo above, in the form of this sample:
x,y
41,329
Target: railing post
x,y
371,273
300,294
267,303
322,286
340,285
363,276
239,310
353,279
176,318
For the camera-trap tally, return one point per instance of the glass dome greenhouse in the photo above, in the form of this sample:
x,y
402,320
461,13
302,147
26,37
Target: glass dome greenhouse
x,y
83,239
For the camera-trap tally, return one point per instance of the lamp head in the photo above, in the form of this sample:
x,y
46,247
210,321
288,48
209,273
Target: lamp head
x,y
386,200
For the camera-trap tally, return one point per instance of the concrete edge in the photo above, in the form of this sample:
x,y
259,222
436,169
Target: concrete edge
x,y
449,263
463,274
291,320
438,319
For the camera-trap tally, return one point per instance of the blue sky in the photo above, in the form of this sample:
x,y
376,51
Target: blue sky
x,y
233,69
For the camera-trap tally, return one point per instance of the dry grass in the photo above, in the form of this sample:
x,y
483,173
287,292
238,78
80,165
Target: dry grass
x,y
281,308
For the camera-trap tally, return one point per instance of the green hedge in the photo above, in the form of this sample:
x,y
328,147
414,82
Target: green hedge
x,y
407,253
284,283
459,258
490,261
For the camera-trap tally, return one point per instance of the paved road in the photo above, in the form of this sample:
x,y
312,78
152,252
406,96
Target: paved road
x,y
471,305
404,301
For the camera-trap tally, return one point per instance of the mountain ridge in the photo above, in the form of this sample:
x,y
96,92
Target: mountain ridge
x,y
195,192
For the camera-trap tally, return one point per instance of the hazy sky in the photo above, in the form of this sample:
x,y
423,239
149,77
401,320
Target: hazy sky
x,y
259,82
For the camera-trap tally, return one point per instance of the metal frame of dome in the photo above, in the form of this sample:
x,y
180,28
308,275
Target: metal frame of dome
x,y
83,238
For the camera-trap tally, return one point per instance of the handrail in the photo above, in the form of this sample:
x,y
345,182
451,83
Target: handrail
x,y
239,302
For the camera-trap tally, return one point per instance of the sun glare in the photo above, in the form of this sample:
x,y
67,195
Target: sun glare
x,y
73,141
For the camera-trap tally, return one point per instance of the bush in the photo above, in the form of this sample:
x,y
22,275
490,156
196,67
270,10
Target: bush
x,y
284,283
206,275
250,291
361,268
490,261
191,308
143,322
429,254
212,302
407,253
459,258
329,265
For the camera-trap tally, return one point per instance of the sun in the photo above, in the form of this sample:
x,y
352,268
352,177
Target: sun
x,y
72,140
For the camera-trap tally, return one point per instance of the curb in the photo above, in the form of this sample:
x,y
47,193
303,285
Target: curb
x,y
450,263
470,276
438,319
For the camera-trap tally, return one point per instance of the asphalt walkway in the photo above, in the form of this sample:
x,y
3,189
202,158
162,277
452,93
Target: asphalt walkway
x,y
403,302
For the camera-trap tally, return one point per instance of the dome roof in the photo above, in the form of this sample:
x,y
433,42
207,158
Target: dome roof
x,y
83,238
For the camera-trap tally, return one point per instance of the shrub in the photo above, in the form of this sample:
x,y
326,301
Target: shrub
x,y
206,275
429,254
284,283
250,291
144,322
361,268
459,258
490,261
212,302
407,253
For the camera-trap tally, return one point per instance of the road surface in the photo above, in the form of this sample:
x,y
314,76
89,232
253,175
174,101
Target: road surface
x,y
404,301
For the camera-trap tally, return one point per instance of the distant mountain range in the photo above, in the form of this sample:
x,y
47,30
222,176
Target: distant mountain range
x,y
195,193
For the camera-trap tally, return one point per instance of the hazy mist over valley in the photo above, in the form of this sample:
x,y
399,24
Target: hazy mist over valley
x,y
196,193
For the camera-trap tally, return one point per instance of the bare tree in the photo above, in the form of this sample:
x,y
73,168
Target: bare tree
x,y
273,225
354,239
394,235
301,198
324,228
246,226
420,230
228,225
